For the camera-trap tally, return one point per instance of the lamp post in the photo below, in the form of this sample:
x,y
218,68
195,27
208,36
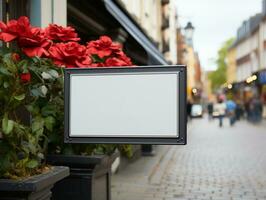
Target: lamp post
x,y
189,31
188,54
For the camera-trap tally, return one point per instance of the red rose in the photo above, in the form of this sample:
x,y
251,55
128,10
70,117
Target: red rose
x,y
14,28
25,77
97,65
70,54
34,42
122,56
119,59
103,47
62,34
15,57
115,62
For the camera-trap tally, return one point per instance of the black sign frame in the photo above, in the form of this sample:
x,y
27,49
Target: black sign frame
x,y
182,114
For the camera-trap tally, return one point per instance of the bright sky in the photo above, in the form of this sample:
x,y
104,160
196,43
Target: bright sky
x,y
215,21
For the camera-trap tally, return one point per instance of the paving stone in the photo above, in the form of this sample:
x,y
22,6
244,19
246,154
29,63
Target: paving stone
x,y
226,163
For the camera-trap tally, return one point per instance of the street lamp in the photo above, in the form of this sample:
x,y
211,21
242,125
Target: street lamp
x,y
189,31
188,36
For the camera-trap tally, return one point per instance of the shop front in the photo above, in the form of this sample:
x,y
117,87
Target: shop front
x,y
262,82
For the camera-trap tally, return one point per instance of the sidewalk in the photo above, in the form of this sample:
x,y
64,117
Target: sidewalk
x,y
143,177
227,163
141,180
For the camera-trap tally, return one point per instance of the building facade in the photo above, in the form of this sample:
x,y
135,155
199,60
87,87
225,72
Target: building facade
x,y
194,73
42,13
91,19
247,48
149,15
181,46
186,55
158,19
231,67
249,64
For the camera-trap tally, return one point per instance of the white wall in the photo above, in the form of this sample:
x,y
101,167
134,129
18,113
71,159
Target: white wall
x,y
44,12
148,14
249,46
243,71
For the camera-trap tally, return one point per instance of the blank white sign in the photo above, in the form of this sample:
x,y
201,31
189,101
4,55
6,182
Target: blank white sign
x,y
124,105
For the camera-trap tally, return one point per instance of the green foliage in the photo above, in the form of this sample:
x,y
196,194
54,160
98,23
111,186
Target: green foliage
x,y
218,77
23,146
126,150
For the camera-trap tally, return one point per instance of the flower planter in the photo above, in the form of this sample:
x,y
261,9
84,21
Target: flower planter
x,y
89,177
147,150
32,84
33,188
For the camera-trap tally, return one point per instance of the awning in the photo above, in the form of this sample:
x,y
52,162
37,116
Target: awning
x,y
155,56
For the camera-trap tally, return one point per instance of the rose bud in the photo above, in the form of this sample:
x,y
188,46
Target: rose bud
x,y
25,77
15,57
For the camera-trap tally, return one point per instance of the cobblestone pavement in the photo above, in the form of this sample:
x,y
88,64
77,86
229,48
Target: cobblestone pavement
x,y
226,163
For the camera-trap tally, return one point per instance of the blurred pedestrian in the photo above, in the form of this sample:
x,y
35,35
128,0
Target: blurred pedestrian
x,y
239,111
256,110
247,106
263,100
210,110
189,108
220,108
231,108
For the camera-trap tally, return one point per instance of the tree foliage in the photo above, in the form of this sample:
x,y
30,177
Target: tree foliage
x,y
218,77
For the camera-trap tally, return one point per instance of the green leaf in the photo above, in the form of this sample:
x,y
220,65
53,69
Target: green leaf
x,y
4,71
36,59
7,125
49,110
96,58
40,91
39,132
25,146
5,163
34,109
32,164
30,147
36,93
49,122
9,63
46,75
37,124
19,97
44,90
6,84
40,155
1,79
53,73
23,64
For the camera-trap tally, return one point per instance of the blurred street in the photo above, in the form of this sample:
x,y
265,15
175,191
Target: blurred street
x,y
218,163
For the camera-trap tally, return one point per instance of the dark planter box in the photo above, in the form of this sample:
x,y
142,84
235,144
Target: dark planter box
x,y
89,177
148,150
33,188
